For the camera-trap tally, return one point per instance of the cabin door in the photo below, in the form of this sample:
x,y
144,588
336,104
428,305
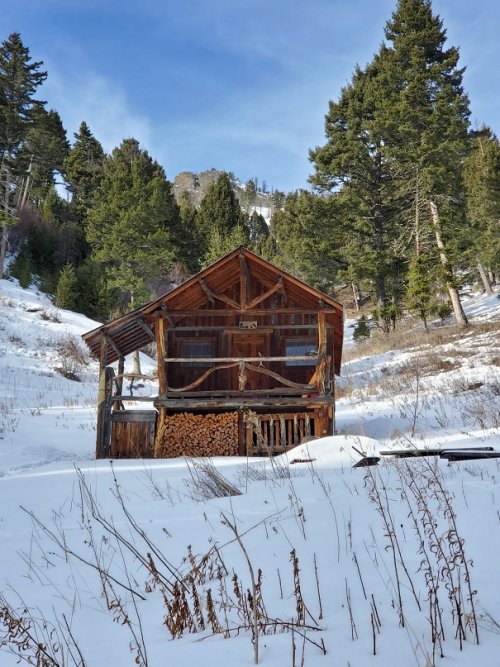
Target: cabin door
x,y
251,345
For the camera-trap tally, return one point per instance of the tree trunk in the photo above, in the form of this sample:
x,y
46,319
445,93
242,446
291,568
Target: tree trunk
x,y
5,226
380,249
355,292
484,277
3,247
137,363
460,316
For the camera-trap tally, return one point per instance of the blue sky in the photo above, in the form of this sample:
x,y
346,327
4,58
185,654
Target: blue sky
x,y
240,85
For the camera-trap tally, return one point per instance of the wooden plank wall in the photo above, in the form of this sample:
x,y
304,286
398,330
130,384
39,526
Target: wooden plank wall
x,y
133,434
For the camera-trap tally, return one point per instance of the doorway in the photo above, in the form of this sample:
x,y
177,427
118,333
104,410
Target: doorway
x,y
250,345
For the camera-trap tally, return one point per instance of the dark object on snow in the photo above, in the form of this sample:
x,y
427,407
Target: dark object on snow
x,y
367,461
469,454
413,453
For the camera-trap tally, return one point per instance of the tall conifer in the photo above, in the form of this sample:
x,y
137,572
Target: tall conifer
x,y
19,79
482,187
134,225
220,210
428,117
83,168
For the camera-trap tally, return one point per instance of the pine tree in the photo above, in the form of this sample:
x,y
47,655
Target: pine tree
x,y
134,227
307,244
221,243
361,330
95,296
219,210
250,195
83,168
21,268
352,164
423,286
190,244
257,228
482,186
66,294
396,141
429,114
42,155
19,79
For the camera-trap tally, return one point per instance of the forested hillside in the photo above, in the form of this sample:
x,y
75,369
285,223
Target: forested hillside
x,y
402,208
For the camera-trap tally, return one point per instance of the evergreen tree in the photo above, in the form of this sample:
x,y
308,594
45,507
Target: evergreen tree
x,y
257,228
277,200
21,268
66,294
95,296
361,330
482,186
221,243
396,141
250,194
423,286
83,168
19,80
133,228
352,163
428,112
190,244
42,155
305,234
219,210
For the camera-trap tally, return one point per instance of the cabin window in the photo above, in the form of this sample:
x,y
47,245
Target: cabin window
x,y
300,347
196,348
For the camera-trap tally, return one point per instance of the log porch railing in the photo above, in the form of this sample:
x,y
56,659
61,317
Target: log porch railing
x,y
244,365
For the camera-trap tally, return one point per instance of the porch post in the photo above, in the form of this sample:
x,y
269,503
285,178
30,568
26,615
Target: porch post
x,y
162,384
106,374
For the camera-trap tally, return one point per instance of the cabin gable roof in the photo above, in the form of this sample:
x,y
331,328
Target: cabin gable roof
x,y
214,288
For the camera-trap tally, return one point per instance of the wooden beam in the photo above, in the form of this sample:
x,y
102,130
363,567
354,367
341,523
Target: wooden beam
x,y
280,378
235,360
244,280
255,311
233,393
145,327
119,381
212,294
265,328
160,356
266,295
268,404
199,380
207,291
103,426
284,294
103,355
113,345
167,316
322,354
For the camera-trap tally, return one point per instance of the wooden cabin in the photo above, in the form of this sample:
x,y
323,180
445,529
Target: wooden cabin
x,y
247,356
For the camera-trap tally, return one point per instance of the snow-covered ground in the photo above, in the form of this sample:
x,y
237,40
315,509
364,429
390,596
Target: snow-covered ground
x,y
95,556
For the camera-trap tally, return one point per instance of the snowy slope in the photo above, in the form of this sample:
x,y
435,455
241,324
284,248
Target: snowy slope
x,y
380,551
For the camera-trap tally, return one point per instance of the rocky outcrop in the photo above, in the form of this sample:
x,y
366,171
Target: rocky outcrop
x,y
195,186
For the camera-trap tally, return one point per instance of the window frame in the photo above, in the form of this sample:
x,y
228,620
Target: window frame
x,y
195,341
310,341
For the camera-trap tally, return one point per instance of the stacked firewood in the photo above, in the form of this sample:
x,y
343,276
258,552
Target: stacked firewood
x,y
186,434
